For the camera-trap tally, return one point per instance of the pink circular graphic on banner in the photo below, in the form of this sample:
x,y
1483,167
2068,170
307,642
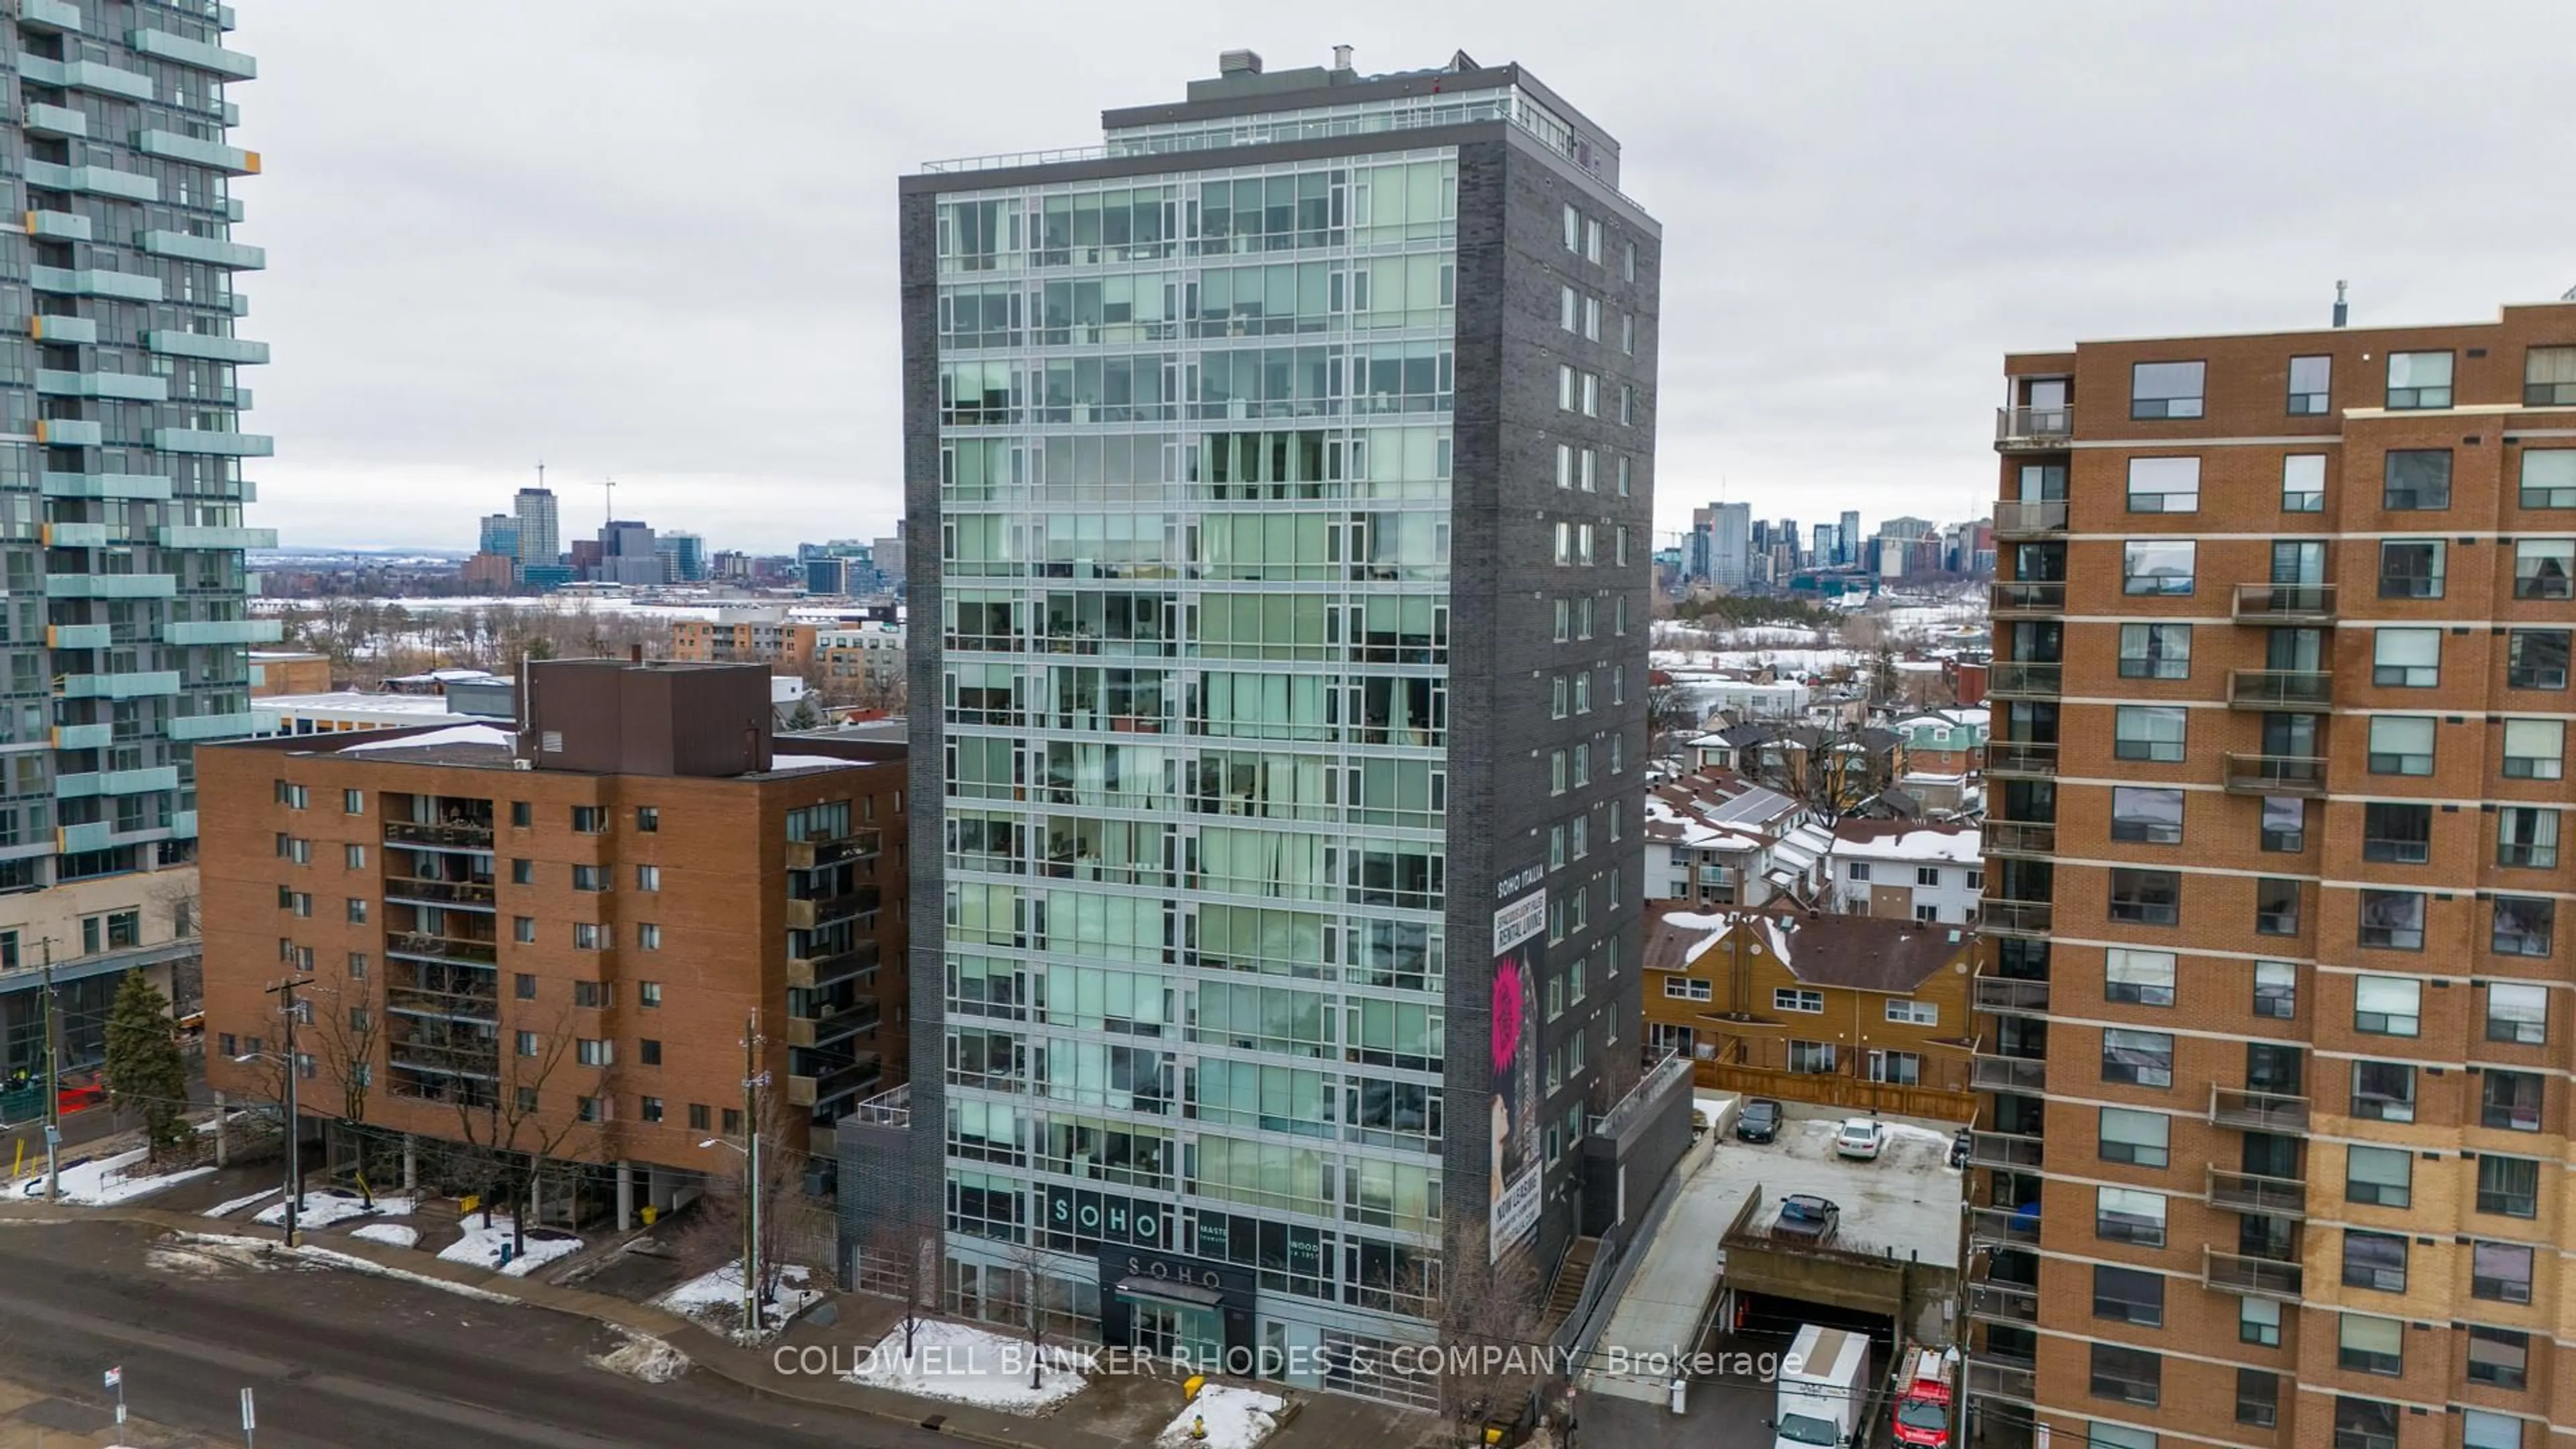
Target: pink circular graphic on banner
x,y
1507,1012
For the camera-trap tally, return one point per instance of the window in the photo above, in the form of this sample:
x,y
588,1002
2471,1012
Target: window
x,y
357,908
2387,1005
2129,1295
732,1121
2541,568
2396,832
592,1052
2517,1012
700,1118
293,797
523,986
353,857
357,965
1623,485
649,1051
1628,333
1592,319
2149,732
1927,875
2371,1345
2258,1395
2146,897
589,819
2157,566
523,929
1683,988
2303,483
2310,383
2419,380
2499,1357
2410,568
2155,651
2140,1139
1573,229
1811,1058
2258,1321
648,993
2141,978
1592,394
585,936
1591,240
527,1043
2137,1058
2406,658
2146,815
589,878
2523,925
648,936
2416,478
2392,920
2284,824
1564,388
522,814
2376,1261
591,994
353,802
2536,658
2533,748
2509,1186
648,818
2549,478
2165,389
2276,990
648,877
2364,1424
2383,1091
1808,1003
2276,906
523,872
2500,1272
1859,870
2401,744
2486,1429
649,1108
2126,1215
1567,308
2164,485
1914,1013
2549,377
2379,1176
2510,1101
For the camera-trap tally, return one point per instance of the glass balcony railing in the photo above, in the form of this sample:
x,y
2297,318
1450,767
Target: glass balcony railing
x,y
2251,1277
2252,1193
2250,1111
2276,774
2280,689
2035,681
2021,757
2011,995
2030,429
2304,604
2015,598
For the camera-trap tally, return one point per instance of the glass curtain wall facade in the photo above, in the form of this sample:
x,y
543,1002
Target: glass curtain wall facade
x,y
121,487
1191,686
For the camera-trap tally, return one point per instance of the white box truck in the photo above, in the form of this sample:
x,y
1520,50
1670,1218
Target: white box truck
x,y
1821,1388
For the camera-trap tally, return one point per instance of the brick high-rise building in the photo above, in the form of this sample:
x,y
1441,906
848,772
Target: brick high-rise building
x,y
2275,1146
561,929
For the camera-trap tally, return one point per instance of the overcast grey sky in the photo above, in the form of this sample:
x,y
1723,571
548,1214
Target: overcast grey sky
x,y
654,240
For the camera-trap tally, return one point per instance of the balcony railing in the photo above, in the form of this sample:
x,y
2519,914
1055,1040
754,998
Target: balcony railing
x,y
2246,1192
2293,689
439,892
2251,1111
1991,1073
2030,518
2026,428
2021,757
442,948
2276,774
2253,1277
2000,1302
408,832
859,844
2011,677
2021,837
2004,1149
2011,994
2285,603
806,915
811,972
449,1005
2016,598
2015,918
1998,1376
2004,1227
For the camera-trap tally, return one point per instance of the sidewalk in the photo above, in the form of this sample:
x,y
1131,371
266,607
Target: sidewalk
x,y
748,1368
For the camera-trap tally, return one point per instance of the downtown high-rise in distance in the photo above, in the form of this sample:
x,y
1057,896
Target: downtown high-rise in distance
x,y
121,486
2277,1021
1288,467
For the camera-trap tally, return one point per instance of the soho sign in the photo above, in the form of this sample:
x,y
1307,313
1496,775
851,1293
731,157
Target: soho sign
x,y
1098,1215
1196,1277
1522,880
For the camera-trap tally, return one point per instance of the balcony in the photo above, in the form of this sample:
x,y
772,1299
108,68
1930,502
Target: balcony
x,y
812,972
49,15
2015,599
210,726
1998,1227
230,64
2276,775
2010,995
79,636
222,631
154,486
72,433
2251,1111
2033,430
2007,1150
85,737
806,915
74,535
2246,1192
808,1091
409,890
97,180
2021,837
111,586
213,155
2014,918
2251,1277
95,282
213,442
62,121
2305,604
419,946
1999,1376
53,326
859,844
213,349
2000,1302
2022,757
129,386
439,837
1991,1073
2008,678
2030,518
444,1005
2286,689
131,684
117,782
85,75
188,535
812,1031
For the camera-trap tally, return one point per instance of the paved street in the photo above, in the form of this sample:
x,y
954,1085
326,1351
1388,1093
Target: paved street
x,y
344,1361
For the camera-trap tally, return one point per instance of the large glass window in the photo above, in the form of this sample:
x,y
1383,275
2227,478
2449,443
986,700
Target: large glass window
x,y
2549,477
2140,1139
2508,1186
2141,978
2419,380
2376,1261
2527,837
2155,651
2517,1012
2500,1272
2137,1058
2146,897
2166,389
2387,1005
2379,1176
2303,483
2370,1345
2129,1295
2542,568
2536,659
2549,377
2406,658
2127,1215
2401,744
2392,920
2416,478
2149,732
2146,814
2383,1091
2311,380
2164,485
2396,832
2130,1375
2410,568
2157,566
2534,749
2523,925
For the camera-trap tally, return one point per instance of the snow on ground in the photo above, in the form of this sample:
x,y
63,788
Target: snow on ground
x,y
966,1365
227,1209
1236,1419
100,1181
482,1246
324,1206
400,1235
644,1357
715,1298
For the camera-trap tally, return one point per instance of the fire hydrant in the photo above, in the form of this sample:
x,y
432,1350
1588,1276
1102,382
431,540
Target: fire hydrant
x,y
1198,1428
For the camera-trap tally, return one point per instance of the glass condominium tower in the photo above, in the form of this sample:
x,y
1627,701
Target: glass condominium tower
x,y
121,487
1287,462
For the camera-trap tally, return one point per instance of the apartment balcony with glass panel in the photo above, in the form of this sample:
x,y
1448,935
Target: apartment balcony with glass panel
x,y
2280,689
2305,605
2276,775
2012,1151
2260,1196
2003,917
2033,430
2245,1110
2010,995
2034,758
2014,679
2021,599
2021,837
2251,1277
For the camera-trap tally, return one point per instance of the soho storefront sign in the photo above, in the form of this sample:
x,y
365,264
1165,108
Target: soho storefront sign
x,y
1099,1217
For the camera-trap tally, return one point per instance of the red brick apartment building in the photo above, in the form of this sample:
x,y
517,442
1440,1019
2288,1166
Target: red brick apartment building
x,y
552,937
2274,1146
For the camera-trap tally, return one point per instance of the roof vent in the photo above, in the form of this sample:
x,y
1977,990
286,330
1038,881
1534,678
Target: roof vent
x,y
1239,62
1341,57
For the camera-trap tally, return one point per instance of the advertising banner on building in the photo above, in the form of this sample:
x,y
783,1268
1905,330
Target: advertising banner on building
x,y
1516,1159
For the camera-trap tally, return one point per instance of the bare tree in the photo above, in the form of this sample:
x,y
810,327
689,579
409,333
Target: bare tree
x,y
346,1030
1028,1259
900,1259
1488,1316
1668,707
507,1130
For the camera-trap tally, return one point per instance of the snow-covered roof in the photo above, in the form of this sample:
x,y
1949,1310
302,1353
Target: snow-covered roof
x,y
352,701
811,762
1899,840
472,734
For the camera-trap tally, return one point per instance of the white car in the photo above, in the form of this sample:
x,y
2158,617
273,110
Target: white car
x,y
1859,1137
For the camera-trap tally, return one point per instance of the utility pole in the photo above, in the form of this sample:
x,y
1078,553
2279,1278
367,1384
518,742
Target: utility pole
x,y
285,990
753,1079
53,1084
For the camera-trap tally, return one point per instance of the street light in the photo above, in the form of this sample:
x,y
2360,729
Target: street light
x,y
750,1230
294,1158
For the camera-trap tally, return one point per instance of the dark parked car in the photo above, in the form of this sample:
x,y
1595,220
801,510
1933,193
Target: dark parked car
x,y
1805,1216
1759,1121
